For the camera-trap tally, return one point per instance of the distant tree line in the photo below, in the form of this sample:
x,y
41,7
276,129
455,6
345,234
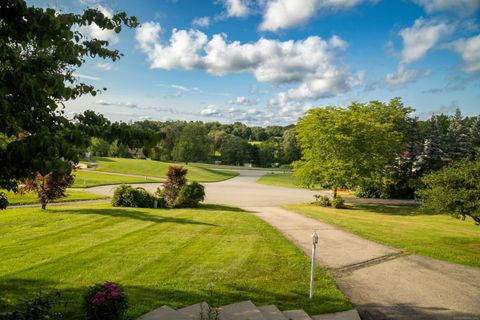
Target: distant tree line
x,y
232,144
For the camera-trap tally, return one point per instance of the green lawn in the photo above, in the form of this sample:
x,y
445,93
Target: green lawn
x,y
85,179
72,195
287,180
408,228
229,167
159,169
279,180
160,256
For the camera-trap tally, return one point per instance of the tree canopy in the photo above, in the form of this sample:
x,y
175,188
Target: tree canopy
x,y
454,190
40,49
352,146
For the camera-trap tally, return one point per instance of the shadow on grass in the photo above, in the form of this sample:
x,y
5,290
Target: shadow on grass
x,y
220,207
143,299
392,210
134,214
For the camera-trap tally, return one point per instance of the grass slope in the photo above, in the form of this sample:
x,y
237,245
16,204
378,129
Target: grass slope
x,y
286,180
72,195
160,257
158,169
437,236
85,179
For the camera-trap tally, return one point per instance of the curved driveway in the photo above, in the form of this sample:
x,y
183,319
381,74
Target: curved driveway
x,y
381,282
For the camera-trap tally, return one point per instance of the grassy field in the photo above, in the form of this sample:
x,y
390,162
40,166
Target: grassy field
x,y
408,228
85,179
72,195
160,257
286,180
158,169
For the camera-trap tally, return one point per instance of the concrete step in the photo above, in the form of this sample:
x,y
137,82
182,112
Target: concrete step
x,y
164,313
197,311
271,312
345,315
241,311
296,315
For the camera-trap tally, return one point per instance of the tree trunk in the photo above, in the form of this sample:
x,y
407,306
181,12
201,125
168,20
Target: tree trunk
x,y
44,205
334,192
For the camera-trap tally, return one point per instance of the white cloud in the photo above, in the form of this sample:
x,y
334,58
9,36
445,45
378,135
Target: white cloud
x,y
469,49
421,37
460,6
403,75
209,111
282,14
84,76
242,101
312,63
236,8
202,22
93,31
104,66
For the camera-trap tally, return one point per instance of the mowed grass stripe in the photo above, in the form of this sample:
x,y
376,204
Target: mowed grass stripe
x,y
160,257
159,169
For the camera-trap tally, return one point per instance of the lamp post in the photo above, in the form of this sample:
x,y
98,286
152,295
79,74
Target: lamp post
x,y
314,246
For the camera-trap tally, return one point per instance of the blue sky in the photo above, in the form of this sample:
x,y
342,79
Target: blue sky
x,y
266,62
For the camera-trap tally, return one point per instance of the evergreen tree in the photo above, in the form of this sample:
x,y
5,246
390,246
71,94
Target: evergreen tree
x,y
459,142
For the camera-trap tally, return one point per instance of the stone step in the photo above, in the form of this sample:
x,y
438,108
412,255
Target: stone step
x,y
271,312
345,315
164,313
296,315
241,311
197,311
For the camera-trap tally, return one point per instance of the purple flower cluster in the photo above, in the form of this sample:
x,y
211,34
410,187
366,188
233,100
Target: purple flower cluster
x,y
108,292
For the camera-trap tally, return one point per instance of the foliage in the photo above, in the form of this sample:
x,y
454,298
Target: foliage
x,y
347,147
192,144
37,308
105,301
236,151
177,193
127,196
454,190
99,147
49,187
323,201
176,179
338,202
190,195
3,200
40,50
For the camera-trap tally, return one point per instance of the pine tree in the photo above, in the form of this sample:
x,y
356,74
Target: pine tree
x,y
459,142
435,145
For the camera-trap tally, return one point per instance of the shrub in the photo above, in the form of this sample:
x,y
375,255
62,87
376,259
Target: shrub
x,y
338,202
105,301
38,308
176,179
321,200
190,195
127,196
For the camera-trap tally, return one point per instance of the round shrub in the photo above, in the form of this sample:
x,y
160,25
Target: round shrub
x,y
127,196
190,195
105,301
338,202
323,201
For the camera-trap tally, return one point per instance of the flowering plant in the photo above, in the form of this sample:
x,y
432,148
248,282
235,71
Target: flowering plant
x,y
106,301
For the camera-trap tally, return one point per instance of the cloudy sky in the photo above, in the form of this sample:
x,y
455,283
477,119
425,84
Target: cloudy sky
x,y
266,62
